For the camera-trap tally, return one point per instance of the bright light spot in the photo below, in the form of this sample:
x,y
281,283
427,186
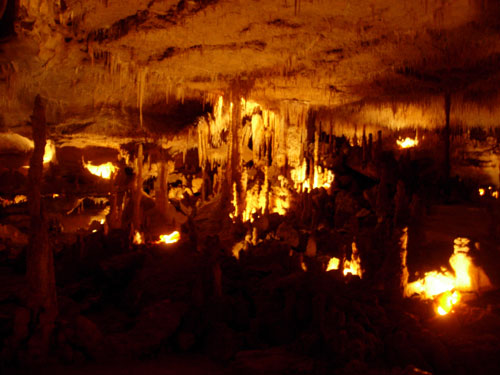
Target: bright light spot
x,y
20,199
169,238
102,221
321,178
353,266
259,198
333,264
95,230
444,287
303,266
234,215
239,246
407,142
461,262
249,106
50,151
432,284
441,311
138,240
481,192
103,170
495,194
446,301
55,195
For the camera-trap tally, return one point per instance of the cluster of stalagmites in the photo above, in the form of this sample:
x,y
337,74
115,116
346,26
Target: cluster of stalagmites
x,y
252,291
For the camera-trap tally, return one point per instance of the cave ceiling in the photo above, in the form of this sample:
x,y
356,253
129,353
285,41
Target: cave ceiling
x,y
111,58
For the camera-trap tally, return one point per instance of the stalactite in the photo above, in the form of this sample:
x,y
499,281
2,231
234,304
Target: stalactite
x,y
162,197
141,86
136,218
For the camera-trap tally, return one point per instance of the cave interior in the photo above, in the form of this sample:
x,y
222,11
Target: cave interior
x,y
253,187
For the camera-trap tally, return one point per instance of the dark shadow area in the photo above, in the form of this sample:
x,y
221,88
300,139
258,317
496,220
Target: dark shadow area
x,y
8,18
171,117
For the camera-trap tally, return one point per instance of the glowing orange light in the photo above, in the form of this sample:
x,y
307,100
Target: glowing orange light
x,y
495,194
303,266
20,199
481,192
138,240
103,170
321,178
446,301
353,266
407,142
169,238
50,151
444,287
333,264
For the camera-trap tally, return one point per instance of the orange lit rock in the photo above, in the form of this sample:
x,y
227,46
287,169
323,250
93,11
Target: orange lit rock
x,y
169,238
104,170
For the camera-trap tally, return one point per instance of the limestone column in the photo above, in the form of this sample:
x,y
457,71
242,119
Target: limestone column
x,y
42,299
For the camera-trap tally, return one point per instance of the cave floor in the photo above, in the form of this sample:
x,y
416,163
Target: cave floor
x,y
470,335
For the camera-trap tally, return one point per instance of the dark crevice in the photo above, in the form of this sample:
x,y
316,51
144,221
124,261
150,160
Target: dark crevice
x,y
8,18
173,16
174,116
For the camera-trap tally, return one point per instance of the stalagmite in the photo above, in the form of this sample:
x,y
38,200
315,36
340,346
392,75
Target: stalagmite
x,y
403,246
378,149
446,134
136,219
42,298
370,146
162,196
235,162
364,146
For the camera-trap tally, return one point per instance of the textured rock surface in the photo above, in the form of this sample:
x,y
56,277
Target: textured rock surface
x,y
123,57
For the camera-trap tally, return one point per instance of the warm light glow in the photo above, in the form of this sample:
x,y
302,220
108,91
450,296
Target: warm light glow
x,y
169,238
234,201
138,240
461,262
280,199
446,301
483,192
102,221
20,199
333,264
321,178
50,151
353,266
303,266
248,106
17,199
103,170
432,284
55,195
407,142
259,198
444,287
